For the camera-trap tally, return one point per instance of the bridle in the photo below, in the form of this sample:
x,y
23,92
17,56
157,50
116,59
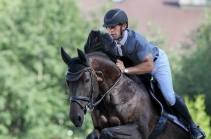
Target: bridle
x,y
90,105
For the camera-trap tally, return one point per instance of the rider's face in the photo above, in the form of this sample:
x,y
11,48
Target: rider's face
x,y
115,32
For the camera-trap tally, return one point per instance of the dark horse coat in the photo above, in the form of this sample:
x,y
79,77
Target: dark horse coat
x,y
120,108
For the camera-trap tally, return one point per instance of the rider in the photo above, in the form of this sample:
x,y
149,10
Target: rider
x,y
148,58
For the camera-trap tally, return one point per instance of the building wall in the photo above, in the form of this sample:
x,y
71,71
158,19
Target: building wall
x,y
176,22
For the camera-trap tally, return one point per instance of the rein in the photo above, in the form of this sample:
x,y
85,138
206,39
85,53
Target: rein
x,y
90,105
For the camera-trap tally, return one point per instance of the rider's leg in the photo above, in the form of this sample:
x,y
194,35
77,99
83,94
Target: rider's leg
x,y
180,108
162,74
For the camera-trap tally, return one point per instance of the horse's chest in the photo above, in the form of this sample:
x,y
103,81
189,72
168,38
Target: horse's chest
x,y
119,103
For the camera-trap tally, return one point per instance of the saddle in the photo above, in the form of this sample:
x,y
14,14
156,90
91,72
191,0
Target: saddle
x,y
165,111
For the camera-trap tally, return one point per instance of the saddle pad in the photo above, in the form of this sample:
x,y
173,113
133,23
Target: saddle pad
x,y
174,119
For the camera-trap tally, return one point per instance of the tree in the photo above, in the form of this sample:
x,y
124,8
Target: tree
x,y
194,75
33,99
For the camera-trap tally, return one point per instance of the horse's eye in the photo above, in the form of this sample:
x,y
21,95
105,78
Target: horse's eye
x,y
87,80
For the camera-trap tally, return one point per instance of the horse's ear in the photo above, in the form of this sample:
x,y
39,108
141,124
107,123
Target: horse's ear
x,y
66,58
83,58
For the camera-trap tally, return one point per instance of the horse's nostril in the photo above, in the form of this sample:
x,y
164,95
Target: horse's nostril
x,y
76,118
79,118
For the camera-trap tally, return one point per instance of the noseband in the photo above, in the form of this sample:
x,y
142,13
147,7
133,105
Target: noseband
x,y
90,105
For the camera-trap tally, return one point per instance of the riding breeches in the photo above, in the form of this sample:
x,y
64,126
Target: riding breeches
x,y
162,73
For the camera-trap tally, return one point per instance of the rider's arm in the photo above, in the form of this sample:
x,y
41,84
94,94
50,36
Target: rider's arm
x,y
145,66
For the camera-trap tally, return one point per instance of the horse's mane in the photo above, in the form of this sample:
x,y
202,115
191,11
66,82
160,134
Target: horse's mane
x,y
101,42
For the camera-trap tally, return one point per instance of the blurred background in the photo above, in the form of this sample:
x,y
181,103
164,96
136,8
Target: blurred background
x,y
34,100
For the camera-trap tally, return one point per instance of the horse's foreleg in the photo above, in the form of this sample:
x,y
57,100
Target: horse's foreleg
x,y
129,131
94,134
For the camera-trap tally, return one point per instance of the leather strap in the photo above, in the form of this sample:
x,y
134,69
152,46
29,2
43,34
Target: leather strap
x,y
158,128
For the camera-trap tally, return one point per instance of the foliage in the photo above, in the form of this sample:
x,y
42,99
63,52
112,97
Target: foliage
x,y
33,99
197,110
194,75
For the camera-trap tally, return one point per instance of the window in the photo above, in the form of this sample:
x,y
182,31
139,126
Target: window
x,y
117,0
193,2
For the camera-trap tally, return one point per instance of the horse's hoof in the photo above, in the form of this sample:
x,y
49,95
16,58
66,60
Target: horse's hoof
x,y
106,134
91,136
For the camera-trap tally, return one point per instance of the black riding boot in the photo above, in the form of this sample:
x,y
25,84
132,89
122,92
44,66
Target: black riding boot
x,y
180,108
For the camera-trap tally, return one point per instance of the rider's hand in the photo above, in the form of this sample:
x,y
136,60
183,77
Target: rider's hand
x,y
120,64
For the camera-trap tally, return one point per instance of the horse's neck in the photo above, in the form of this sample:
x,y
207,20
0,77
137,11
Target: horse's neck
x,y
110,72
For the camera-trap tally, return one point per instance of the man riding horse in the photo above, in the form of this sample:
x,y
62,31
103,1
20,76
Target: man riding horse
x,y
148,58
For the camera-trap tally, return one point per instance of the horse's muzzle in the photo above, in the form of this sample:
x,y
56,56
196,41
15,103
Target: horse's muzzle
x,y
77,120
76,114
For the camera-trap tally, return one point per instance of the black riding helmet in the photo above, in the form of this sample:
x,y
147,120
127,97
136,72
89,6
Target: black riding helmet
x,y
114,17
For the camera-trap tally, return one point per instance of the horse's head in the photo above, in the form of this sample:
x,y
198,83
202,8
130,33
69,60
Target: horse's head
x,y
82,84
85,75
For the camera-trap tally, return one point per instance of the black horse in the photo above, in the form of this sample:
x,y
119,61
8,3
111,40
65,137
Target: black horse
x,y
120,107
